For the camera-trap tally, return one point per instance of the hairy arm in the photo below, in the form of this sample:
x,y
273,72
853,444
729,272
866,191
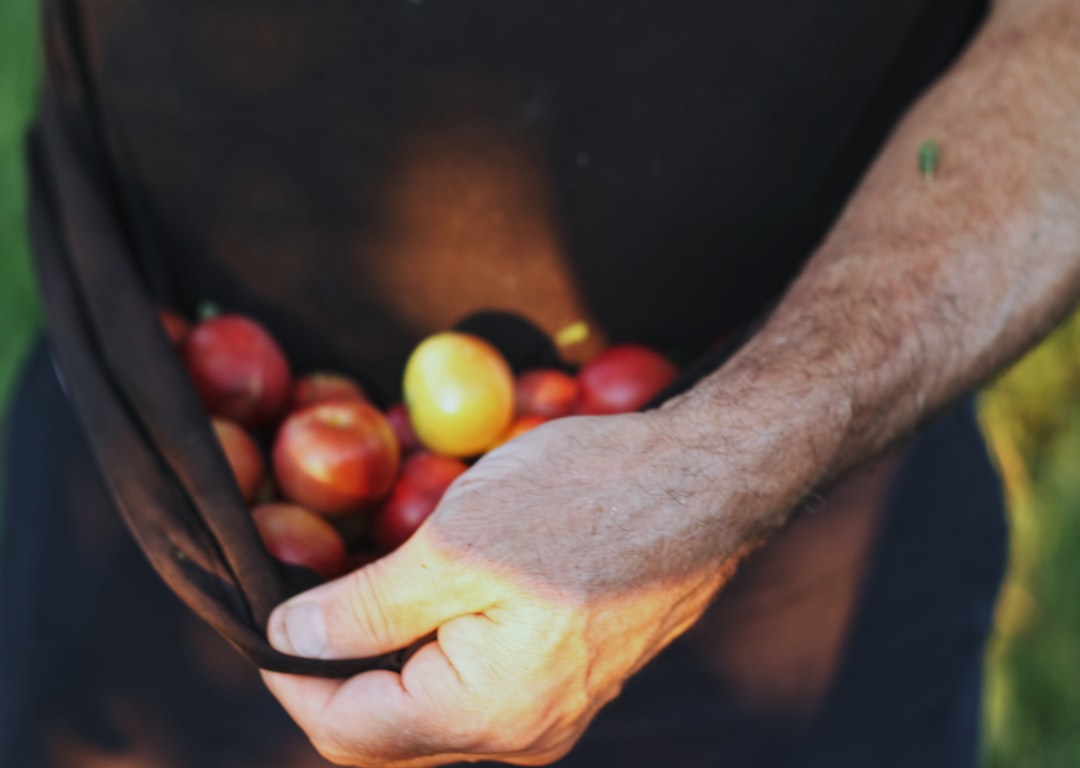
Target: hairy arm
x,y
925,286
562,562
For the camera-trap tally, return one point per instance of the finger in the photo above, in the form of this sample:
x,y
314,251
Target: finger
x,y
447,705
433,709
308,701
373,718
375,721
303,696
382,607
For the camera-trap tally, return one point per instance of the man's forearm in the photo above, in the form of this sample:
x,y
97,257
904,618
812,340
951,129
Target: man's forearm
x,y
925,286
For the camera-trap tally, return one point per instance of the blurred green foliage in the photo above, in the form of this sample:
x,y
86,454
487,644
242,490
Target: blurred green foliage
x,y
1031,417
19,313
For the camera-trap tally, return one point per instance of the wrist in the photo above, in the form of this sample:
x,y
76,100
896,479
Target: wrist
x,y
764,433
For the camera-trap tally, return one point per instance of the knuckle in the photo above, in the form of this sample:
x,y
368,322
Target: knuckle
x,y
336,757
333,755
549,756
502,736
459,728
536,730
330,747
509,742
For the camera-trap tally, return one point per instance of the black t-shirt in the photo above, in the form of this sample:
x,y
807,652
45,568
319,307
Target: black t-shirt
x,y
360,174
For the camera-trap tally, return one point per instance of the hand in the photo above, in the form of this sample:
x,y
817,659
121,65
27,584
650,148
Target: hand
x,y
552,570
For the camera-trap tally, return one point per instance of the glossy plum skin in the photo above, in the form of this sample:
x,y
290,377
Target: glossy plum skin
x,y
336,457
323,387
545,392
238,369
424,479
622,379
459,391
298,536
244,457
176,325
398,416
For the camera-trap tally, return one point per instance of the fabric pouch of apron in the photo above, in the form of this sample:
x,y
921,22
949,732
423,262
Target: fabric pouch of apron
x,y
148,430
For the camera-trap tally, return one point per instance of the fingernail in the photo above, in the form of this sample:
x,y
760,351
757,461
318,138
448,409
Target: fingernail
x,y
299,630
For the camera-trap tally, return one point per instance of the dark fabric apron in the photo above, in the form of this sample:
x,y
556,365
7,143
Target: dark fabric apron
x,y
658,169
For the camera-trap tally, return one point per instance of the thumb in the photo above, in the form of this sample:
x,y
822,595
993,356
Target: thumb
x,y
382,607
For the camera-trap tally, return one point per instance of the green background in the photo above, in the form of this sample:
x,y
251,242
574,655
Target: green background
x,y
1031,417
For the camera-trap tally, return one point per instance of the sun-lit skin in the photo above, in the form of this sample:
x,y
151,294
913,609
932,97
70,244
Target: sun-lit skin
x,y
565,560
459,392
